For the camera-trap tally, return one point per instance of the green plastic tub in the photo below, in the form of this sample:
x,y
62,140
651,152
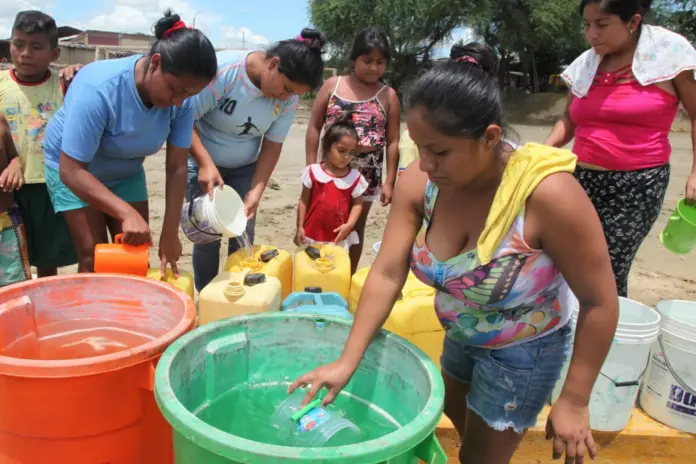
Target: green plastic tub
x,y
218,385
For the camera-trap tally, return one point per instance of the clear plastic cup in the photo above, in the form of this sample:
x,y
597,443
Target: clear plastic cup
x,y
320,427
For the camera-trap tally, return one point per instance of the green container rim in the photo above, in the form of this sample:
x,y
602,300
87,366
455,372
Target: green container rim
x,y
686,212
233,447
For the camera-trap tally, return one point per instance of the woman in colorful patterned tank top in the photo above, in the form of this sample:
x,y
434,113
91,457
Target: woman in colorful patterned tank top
x,y
375,112
480,221
625,94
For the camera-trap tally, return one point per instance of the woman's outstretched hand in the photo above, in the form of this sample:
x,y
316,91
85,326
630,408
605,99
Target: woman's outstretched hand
x,y
332,376
569,427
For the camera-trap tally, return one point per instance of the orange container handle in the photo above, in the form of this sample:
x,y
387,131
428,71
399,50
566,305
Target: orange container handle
x,y
118,240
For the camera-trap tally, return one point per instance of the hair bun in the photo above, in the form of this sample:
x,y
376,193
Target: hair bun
x,y
165,23
481,56
314,39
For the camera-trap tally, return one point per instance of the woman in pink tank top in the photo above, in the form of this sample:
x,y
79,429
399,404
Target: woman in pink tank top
x,y
620,111
375,112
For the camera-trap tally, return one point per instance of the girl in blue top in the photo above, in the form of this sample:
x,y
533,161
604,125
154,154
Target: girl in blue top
x,y
117,113
242,119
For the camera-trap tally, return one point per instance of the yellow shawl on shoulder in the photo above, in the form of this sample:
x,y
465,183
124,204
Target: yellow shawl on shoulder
x,y
527,166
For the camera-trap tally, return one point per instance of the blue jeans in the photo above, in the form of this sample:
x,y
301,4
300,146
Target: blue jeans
x,y
509,386
206,257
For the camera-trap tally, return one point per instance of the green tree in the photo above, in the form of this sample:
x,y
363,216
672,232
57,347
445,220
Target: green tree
x,y
546,32
414,27
677,15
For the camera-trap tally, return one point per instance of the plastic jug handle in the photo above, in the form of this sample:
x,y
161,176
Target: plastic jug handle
x,y
430,450
118,239
682,383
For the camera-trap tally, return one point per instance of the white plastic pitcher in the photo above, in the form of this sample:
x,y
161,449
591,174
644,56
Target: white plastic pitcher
x,y
615,391
204,220
669,388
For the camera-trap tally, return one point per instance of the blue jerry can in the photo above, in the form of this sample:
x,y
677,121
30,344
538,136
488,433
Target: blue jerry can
x,y
312,300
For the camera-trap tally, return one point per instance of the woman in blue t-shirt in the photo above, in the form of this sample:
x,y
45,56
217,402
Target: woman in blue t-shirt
x,y
242,119
117,113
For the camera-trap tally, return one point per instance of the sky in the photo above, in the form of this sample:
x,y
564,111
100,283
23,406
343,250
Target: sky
x,y
228,23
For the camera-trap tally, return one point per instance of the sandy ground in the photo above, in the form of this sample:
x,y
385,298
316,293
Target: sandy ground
x,y
657,274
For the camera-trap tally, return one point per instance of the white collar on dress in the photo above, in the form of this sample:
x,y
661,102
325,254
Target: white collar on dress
x,y
343,183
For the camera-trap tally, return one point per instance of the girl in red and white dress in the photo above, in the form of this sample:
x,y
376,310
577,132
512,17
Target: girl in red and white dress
x,y
331,200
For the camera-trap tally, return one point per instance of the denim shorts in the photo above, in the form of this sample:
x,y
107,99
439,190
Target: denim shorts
x,y
131,190
508,386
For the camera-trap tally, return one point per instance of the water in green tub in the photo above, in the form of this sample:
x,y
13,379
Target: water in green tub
x,y
262,413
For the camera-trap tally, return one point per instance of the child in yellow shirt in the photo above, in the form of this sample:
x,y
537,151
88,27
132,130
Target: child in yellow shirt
x,y
29,96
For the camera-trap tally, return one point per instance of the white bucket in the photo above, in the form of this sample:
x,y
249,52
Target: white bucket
x,y
614,393
375,250
204,220
669,388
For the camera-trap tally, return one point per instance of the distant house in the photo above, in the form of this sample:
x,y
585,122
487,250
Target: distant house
x,y
90,45
67,31
109,39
